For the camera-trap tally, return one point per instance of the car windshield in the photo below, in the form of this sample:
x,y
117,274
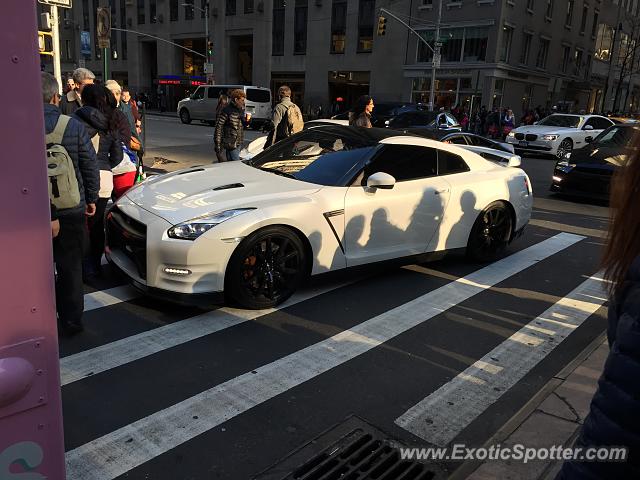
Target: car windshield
x,y
616,137
570,121
319,156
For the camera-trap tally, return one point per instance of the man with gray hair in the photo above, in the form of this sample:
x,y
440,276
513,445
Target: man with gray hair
x,y
69,244
72,100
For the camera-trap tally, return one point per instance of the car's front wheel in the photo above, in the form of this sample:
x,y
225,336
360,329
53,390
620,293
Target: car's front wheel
x,y
267,268
490,233
566,146
184,116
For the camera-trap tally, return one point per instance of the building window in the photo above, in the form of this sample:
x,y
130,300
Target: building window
x,y
152,11
587,69
566,55
300,27
85,15
427,3
549,13
475,40
543,52
526,48
475,44
530,4
505,49
67,49
578,62
604,41
231,8
583,22
338,26
277,34
594,27
366,18
203,5
173,11
123,35
188,9
140,12
248,6
569,18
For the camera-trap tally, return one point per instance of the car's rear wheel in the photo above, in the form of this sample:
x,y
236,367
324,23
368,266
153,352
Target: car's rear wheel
x,y
566,146
266,268
491,233
184,116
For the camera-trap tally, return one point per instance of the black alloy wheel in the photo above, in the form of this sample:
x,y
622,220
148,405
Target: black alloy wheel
x,y
491,233
566,146
266,268
184,116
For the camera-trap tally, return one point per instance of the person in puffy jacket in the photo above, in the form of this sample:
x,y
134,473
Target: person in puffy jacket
x,y
96,115
614,416
229,133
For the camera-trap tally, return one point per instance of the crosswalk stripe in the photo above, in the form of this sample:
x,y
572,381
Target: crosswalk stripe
x,y
441,416
117,452
105,357
111,296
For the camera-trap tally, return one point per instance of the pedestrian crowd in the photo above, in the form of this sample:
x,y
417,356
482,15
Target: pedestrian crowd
x,y
94,154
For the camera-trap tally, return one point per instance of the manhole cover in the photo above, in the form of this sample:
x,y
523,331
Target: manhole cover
x,y
353,450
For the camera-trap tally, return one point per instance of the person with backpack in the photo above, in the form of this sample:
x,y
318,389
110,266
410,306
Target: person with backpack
x,y
96,115
229,132
73,192
286,119
361,116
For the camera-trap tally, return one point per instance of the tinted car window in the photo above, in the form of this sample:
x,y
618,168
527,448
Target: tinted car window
x,y
405,162
479,141
320,157
449,163
616,137
456,139
259,96
214,92
600,123
198,94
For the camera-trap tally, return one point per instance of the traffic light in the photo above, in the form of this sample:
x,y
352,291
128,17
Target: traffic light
x,y
210,48
382,25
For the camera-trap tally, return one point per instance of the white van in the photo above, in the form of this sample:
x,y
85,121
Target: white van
x,y
201,105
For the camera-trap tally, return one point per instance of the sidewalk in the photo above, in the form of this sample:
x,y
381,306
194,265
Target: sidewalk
x,y
552,417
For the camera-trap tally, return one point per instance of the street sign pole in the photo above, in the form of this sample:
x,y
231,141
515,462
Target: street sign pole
x,y
105,64
436,59
55,37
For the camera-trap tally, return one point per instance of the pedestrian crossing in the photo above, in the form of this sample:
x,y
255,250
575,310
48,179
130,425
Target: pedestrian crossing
x,y
127,448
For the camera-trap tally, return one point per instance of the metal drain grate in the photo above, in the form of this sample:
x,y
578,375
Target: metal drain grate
x,y
352,451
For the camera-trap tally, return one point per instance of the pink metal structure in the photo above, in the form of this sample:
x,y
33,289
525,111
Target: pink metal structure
x,y
31,440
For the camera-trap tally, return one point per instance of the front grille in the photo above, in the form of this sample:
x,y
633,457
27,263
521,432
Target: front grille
x,y
129,236
519,136
530,137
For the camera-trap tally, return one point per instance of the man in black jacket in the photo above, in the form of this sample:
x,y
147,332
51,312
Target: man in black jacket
x,y
69,245
229,132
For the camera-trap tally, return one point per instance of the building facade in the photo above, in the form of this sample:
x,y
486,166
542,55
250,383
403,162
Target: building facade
x,y
498,53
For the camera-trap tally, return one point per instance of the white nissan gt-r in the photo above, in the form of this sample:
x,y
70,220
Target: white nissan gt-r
x,y
322,200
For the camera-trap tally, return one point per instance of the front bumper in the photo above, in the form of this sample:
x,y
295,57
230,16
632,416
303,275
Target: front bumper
x,y
144,258
539,146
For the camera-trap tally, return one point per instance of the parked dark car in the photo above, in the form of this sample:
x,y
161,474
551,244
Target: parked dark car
x,y
460,138
383,111
433,120
587,172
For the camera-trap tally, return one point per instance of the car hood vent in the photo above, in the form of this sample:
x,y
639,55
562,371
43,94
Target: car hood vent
x,y
184,172
229,186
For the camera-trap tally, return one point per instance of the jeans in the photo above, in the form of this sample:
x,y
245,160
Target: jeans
x,y
68,250
233,154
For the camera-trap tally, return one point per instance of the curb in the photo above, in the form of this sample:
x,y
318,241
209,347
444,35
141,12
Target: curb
x,y
467,468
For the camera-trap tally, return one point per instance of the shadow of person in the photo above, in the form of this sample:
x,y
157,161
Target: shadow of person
x,y
459,233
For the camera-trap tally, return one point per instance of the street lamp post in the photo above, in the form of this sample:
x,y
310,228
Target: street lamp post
x,y
436,59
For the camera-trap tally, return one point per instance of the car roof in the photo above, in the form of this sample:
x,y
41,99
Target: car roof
x,y
369,135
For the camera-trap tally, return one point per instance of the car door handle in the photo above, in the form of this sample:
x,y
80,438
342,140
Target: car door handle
x,y
444,190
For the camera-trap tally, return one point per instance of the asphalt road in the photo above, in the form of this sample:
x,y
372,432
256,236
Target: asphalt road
x,y
421,355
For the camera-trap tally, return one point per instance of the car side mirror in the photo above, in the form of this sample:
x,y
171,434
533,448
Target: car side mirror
x,y
588,139
515,161
588,127
381,180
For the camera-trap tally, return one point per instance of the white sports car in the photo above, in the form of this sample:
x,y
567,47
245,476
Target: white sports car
x,y
324,199
558,134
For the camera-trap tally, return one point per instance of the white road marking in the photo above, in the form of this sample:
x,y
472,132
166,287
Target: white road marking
x,y
111,296
441,416
116,453
105,357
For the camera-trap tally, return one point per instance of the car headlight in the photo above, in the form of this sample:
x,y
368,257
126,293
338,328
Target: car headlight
x,y
550,137
511,134
192,229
